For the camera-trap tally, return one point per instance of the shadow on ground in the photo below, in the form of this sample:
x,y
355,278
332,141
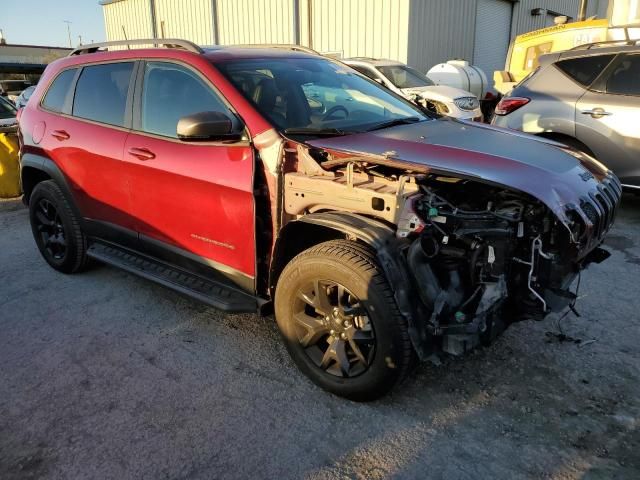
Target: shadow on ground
x,y
108,376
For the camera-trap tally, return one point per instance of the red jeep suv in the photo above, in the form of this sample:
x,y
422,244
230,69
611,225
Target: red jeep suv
x,y
261,180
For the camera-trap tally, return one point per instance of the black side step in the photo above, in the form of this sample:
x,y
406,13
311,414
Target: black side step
x,y
216,294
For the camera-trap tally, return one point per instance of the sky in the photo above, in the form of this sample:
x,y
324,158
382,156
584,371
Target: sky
x,y
41,22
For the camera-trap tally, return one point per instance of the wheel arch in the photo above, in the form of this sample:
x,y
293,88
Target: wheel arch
x,y
35,169
312,229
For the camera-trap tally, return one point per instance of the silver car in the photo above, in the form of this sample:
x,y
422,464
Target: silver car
x,y
588,98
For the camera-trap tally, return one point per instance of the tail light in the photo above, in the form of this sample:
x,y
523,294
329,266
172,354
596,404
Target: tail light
x,y
510,104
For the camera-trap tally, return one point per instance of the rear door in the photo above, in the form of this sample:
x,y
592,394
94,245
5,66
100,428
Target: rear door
x,y
87,117
607,118
192,198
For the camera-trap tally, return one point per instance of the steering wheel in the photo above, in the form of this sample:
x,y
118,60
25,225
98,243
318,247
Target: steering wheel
x,y
333,110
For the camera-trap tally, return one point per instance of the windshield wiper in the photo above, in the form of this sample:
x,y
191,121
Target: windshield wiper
x,y
395,122
329,132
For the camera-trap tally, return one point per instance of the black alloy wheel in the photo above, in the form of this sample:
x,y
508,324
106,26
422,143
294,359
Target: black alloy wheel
x,y
334,328
56,228
51,230
340,322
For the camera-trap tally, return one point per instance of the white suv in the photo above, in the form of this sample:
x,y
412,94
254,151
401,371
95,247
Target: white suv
x,y
413,85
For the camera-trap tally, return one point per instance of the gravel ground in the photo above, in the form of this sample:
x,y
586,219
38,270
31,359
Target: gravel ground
x,y
105,375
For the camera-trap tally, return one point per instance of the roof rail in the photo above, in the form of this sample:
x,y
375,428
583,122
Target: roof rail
x,y
160,42
284,46
608,43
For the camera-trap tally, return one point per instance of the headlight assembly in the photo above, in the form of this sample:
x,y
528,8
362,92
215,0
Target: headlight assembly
x,y
467,103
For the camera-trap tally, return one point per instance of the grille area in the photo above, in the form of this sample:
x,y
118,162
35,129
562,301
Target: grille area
x,y
599,207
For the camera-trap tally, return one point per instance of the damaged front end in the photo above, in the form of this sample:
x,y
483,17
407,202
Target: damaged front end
x,y
483,257
477,255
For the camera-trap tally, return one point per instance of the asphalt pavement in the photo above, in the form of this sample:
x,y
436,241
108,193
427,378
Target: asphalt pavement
x,y
105,375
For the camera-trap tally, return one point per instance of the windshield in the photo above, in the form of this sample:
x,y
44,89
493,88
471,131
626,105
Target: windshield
x,y
7,110
27,92
405,77
306,95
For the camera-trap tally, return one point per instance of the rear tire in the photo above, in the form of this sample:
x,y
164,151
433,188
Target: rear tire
x,y
56,228
339,320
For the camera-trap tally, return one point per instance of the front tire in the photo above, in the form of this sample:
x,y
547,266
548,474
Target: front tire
x,y
339,320
56,228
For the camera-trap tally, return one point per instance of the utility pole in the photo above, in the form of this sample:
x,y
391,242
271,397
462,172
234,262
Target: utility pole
x,y
80,40
68,22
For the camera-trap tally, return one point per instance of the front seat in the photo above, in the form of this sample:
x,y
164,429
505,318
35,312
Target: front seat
x,y
265,97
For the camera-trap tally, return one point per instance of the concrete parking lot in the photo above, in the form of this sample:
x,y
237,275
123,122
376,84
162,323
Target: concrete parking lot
x,y
104,375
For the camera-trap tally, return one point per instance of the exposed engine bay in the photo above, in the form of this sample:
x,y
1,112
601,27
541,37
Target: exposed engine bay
x,y
480,255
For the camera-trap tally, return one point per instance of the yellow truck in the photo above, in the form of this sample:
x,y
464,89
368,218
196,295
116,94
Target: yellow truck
x,y
622,22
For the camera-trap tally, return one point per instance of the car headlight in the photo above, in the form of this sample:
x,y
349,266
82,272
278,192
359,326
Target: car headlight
x,y
436,107
467,103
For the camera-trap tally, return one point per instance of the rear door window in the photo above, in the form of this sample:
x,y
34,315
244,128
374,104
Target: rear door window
x,y
57,93
625,78
101,93
585,70
171,92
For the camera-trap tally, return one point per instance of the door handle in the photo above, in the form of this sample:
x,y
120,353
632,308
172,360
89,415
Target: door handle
x,y
60,135
597,112
142,153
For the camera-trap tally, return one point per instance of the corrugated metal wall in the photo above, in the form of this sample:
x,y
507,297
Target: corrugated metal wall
x,y
437,32
440,30
188,19
493,34
371,28
248,21
134,15
523,21
419,32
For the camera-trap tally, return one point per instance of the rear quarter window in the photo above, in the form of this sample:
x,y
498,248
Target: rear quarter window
x,y
585,70
56,95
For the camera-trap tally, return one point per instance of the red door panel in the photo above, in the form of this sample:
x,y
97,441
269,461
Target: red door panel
x,y
195,196
91,156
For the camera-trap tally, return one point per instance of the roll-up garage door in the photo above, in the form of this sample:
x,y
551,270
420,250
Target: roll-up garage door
x,y
493,31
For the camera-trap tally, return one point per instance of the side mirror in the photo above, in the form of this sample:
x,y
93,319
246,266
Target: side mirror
x,y
207,126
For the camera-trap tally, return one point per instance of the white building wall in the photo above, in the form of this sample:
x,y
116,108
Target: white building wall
x,y
419,32
188,19
355,28
251,21
133,15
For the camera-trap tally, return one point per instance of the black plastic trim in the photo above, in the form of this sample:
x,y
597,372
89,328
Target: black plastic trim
x,y
208,291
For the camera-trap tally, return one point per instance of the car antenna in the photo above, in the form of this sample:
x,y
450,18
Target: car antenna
x,y
124,32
